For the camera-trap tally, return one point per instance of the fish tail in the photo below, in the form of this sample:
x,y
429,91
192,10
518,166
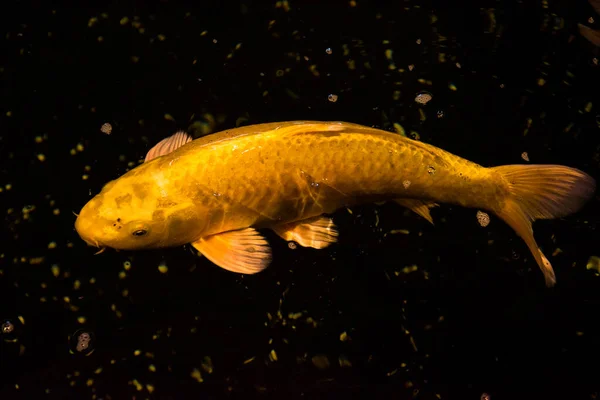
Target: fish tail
x,y
542,192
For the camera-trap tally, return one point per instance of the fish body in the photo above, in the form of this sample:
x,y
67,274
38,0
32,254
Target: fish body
x,y
215,191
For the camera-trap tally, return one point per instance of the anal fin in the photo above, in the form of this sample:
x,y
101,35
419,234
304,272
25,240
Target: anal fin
x,y
245,251
419,207
317,232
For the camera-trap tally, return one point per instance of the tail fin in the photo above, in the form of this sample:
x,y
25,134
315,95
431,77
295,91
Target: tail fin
x,y
542,192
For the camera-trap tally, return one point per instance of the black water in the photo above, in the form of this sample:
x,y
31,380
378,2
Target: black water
x,y
473,318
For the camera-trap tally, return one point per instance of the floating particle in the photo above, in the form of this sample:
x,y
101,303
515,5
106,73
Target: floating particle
x,y
332,98
483,218
418,41
399,129
292,245
197,375
430,169
127,265
7,327
411,67
485,396
106,128
328,50
406,184
82,342
273,355
423,97
440,114
458,65
541,82
41,157
320,361
162,268
452,87
525,156
9,330
593,263
343,336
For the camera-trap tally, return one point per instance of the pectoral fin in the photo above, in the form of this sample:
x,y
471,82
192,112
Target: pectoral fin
x,y
420,207
244,251
168,145
318,232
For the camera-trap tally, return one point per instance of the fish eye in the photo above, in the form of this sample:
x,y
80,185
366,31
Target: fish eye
x,y
140,232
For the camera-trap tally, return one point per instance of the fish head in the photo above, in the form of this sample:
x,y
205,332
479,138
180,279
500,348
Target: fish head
x,y
131,213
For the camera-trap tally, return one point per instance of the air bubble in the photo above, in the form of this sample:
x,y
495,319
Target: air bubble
x,y
423,97
332,98
82,342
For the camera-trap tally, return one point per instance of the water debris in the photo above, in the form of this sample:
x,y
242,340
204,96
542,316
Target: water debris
x,y
82,342
525,156
106,128
399,129
406,183
197,375
320,361
483,218
332,98
423,97
593,263
328,50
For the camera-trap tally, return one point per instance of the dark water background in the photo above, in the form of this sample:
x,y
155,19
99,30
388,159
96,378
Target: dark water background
x,y
475,316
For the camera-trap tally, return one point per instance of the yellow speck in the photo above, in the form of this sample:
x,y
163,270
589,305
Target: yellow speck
x,y
207,365
137,385
100,39
41,157
399,129
452,87
72,152
89,382
579,333
76,285
248,361
541,82
39,139
163,269
52,245
66,299
79,147
124,21
122,275
81,320
92,21
55,270
151,368
273,355
85,177
197,375
352,3
127,265
593,263
150,388
134,59
56,211
21,319
169,117
98,371
388,54
313,70
161,37
588,107
137,352
343,336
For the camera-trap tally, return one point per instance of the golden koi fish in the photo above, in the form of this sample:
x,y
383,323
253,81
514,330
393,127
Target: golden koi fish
x,y
216,191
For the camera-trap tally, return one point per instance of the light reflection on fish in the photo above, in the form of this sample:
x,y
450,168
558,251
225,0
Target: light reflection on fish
x,y
216,191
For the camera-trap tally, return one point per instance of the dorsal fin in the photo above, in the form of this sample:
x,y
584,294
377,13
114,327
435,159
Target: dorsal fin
x,y
168,145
